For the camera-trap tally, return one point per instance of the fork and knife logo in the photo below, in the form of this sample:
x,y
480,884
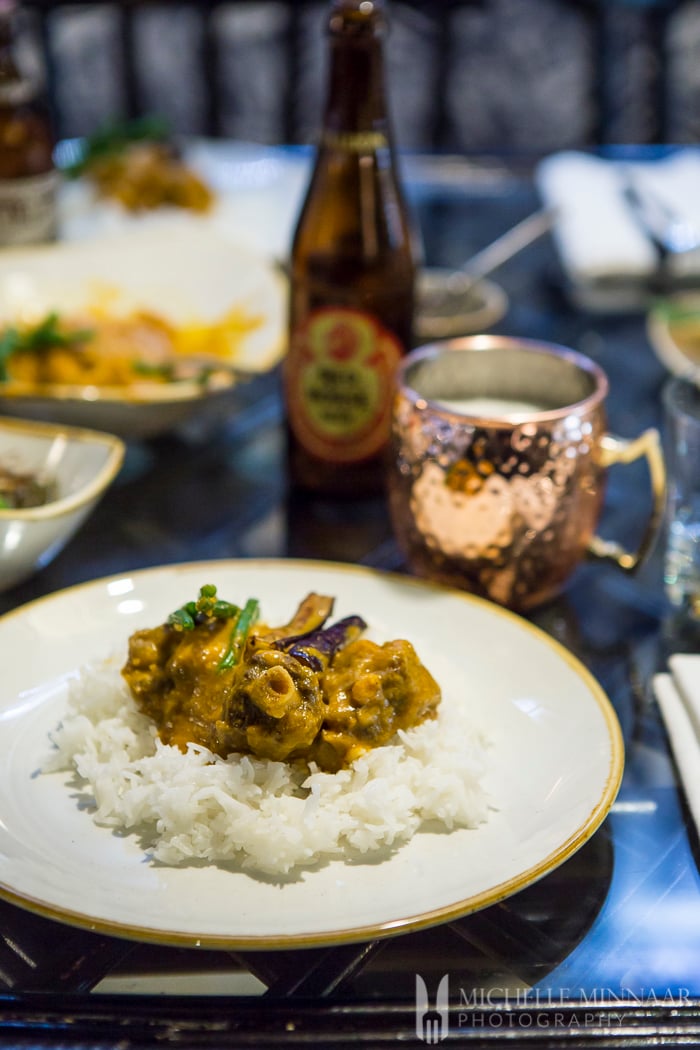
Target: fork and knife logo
x,y
432,1022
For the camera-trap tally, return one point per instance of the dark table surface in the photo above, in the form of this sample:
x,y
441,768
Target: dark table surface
x,y
606,949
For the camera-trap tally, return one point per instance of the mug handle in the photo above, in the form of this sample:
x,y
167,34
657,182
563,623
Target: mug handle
x,y
620,450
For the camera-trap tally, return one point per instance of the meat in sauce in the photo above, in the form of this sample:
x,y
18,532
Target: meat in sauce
x,y
212,677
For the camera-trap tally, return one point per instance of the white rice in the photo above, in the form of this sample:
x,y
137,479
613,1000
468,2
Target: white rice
x,y
267,816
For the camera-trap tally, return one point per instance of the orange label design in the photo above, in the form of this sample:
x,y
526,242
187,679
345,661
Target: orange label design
x,y
339,380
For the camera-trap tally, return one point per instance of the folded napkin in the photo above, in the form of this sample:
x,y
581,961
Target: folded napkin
x,y
600,239
678,696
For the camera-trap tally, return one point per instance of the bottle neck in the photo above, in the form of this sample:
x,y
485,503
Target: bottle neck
x,y
356,98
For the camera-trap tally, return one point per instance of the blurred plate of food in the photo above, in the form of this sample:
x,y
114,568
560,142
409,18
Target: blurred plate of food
x,y
136,333
137,164
121,179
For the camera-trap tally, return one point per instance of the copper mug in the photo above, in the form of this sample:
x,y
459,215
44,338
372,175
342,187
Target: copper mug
x,y
499,456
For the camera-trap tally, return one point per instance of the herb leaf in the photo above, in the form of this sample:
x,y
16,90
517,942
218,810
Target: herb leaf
x,y
239,635
114,138
207,606
9,340
42,336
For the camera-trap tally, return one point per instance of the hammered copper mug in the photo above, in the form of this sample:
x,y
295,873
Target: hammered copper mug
x,y
498,466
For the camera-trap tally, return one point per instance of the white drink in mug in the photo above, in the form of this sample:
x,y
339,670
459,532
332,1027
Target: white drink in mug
x,y
490,407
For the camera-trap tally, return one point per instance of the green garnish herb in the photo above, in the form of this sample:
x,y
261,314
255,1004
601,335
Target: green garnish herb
x,y
9,340
207,606
239,634
114,138
677,312
144,368
169,372
183,619
43,336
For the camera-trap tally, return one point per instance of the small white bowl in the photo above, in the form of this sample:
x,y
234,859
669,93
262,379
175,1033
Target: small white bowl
x,y
79,464
446,308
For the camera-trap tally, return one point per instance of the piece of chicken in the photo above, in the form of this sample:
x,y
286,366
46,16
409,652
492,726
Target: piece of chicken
x,y
174,677
274,709
371,692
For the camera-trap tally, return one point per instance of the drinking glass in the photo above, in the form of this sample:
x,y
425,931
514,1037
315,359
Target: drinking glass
x,y
681,402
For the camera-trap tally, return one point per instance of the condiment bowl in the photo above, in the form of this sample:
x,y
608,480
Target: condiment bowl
x,y
450,304
76,465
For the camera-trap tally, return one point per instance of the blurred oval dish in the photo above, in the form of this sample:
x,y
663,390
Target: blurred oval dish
x,y
222,306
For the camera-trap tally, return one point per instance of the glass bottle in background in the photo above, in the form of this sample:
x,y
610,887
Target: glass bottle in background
x,y
28,178
352,274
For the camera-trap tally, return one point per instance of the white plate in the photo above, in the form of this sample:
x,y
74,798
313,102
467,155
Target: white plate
x,y
557,764
176,269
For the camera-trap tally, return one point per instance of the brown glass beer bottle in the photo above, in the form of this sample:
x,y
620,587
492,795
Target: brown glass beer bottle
x,y
28,178
352,274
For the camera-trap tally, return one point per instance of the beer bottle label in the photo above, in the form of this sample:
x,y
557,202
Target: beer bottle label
x,y
28,209
340,374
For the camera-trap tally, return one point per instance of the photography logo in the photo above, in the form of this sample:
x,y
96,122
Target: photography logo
x,y
432,1023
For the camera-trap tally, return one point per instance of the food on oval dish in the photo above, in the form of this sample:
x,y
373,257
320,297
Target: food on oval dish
x,y
213,676
99,349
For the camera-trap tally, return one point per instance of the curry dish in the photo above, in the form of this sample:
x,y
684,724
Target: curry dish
x,y
212,675
97,348
148,175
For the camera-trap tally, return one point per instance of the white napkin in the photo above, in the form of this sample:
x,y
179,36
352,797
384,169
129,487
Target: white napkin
x,y
678,696
597,234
